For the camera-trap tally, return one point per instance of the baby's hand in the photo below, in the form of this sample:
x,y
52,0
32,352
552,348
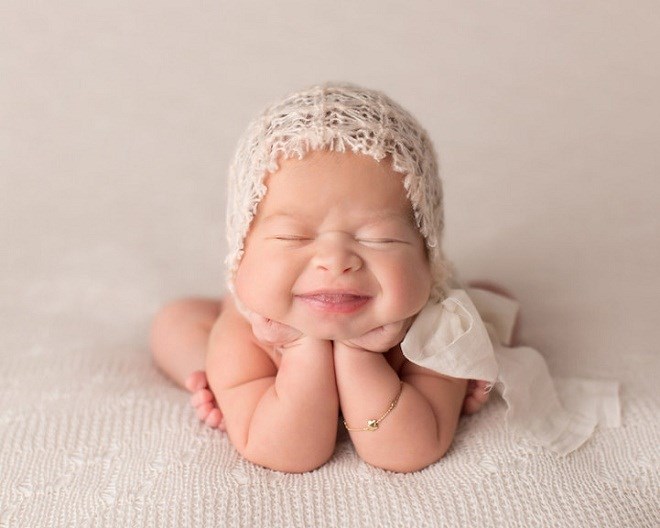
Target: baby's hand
x,y
203,401
273,333
382,338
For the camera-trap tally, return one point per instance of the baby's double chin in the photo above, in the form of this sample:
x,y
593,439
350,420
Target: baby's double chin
x,y
333,328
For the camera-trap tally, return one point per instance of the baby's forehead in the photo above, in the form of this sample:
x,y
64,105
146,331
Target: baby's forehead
x,y
357,165
356,185
365,218
328,169
329,156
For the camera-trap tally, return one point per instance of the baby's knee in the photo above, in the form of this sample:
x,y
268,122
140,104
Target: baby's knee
x,y
173,312
167,316
171,320
187,311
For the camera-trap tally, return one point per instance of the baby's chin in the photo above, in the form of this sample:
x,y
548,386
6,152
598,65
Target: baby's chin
x,y
329,331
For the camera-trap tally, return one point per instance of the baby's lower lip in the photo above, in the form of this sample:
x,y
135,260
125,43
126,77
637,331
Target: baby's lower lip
x,y
335,302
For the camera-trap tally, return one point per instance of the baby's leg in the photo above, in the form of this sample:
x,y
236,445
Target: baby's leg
x,y
180,335
179,339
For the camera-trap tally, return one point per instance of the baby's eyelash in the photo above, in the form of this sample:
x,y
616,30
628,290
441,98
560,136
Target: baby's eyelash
x,y
361,240
292,237
380,241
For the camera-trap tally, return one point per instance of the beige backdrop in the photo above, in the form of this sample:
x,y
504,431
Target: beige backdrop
x,y
118,119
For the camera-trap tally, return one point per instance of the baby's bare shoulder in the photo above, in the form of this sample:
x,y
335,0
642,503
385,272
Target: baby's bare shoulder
x,y
230,323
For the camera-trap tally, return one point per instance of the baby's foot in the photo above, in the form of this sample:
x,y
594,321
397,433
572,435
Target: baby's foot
x,y
476,396
203,401
478,391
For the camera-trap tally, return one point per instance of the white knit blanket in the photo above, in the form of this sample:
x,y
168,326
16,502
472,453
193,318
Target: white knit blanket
x,y
91,435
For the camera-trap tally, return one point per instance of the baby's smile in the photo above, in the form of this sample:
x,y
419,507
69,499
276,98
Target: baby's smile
x,y
334,302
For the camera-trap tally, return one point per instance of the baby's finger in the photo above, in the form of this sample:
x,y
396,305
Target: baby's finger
x,y
201,396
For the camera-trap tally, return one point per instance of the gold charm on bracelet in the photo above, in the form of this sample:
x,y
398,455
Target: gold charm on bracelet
x,y
372,424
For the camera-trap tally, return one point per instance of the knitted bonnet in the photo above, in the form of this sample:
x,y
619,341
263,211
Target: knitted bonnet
x,y
338,117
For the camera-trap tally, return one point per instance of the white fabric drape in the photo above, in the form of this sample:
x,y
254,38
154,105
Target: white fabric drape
x,y
468,335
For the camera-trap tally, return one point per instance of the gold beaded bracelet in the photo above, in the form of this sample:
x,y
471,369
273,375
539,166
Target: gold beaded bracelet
x,y
372,424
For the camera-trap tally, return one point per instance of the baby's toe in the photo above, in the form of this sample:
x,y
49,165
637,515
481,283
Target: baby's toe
x,y
201,396
471,406
214,418
475,401
481,392
196,381
203,410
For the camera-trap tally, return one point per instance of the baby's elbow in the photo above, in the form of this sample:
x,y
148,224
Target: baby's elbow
x,y
407,466
409,462
279,451
301,465
287,463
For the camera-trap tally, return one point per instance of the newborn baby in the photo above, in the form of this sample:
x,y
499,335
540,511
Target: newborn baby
x,y
341,303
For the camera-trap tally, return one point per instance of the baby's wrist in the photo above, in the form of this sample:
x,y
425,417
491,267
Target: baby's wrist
x,y
381,339
346,347
356,363
307,344
307,356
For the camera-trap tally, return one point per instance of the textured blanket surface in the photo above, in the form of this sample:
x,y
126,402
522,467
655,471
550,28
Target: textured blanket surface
x,y
91,434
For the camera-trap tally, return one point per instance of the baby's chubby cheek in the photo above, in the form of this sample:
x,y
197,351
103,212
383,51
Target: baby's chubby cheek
x,y
258,289
406,291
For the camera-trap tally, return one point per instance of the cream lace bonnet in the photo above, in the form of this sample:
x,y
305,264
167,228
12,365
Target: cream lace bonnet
x,y
339,117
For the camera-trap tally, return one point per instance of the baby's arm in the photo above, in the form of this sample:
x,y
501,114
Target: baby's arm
x,y
283,418
419,429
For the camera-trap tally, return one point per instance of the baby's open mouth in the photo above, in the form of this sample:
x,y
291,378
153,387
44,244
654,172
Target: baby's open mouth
x,y
334,302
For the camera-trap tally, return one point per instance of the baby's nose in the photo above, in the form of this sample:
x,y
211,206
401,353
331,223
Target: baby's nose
x,y
335,254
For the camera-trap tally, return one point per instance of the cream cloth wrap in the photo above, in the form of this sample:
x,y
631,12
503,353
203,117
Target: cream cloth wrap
x,y
451,338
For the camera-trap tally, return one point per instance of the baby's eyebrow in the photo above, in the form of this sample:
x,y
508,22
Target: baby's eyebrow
x,y
368,219
386,216
283,215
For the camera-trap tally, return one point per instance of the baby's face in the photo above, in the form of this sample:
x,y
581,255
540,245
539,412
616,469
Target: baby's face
x,y
333,250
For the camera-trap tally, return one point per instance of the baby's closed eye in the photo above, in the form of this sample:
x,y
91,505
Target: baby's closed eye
x,y
383,237
292,239
379,241
385,234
